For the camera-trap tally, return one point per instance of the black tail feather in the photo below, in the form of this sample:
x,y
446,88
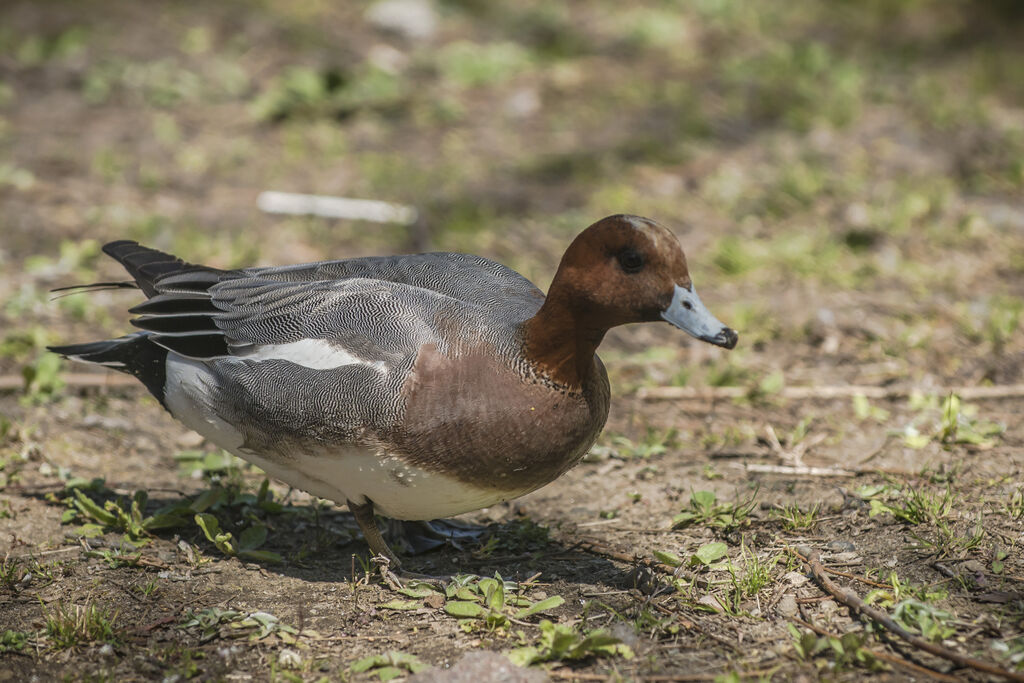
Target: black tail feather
x,y
147,266
135,354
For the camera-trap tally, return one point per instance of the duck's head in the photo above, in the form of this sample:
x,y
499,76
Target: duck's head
x,y
626,269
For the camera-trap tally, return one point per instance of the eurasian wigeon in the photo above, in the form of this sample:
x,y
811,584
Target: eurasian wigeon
x,y
418,386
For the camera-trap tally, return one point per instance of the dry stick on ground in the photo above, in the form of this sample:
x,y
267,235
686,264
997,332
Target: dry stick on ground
x,y
850,599
828,391
884,656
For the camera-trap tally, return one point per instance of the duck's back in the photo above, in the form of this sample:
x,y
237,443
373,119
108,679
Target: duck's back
x,y
464,277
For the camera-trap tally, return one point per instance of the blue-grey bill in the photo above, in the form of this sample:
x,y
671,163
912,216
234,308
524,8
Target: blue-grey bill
x,y
688,313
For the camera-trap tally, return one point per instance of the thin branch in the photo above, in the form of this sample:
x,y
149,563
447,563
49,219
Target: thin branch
x,y
76,379
972,393
884,656
850,599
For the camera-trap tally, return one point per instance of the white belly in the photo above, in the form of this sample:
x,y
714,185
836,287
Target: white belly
x,y
347,473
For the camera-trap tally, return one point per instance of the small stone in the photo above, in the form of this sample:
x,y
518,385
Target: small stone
x,y
190,439
411,19
795,579
840,546
787,606
289,658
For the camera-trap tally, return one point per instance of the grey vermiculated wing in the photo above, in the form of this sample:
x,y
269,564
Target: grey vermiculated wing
x,y
465,277
370,319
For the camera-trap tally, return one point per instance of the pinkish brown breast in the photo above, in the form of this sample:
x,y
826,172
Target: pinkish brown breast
x,y
492,425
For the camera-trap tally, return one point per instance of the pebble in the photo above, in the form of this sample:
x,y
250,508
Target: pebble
x,y
411,19
787,606
840,546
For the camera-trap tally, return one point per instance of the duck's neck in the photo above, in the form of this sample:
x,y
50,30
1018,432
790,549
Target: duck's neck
x,y
561,342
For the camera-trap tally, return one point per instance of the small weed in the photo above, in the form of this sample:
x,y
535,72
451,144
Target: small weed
x,y
845,652
795,519
11,573
389,665
931,622
42,378
68,626
705,509
245,547
913,506
116,557
1014,506
559,642
655,442
13,641
960,426
863,409
489,602
214,623
756,574
705,557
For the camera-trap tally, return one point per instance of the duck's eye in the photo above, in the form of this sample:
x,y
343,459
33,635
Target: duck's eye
x,y
631,260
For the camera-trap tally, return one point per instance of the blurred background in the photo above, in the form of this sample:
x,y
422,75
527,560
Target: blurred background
x,y
846,177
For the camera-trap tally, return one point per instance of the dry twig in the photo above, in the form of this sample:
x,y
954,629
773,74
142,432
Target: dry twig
x,y
850,599
829,392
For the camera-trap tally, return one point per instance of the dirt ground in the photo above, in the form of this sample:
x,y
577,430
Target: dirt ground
x,y
847,180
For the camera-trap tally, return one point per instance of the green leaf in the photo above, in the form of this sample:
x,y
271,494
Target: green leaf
x,y
542,606
209,525
524,656
208,499
253,537
704,499
90,508
665,557
710,552
494,596
417,589
402,605
367,663
261,556
464,609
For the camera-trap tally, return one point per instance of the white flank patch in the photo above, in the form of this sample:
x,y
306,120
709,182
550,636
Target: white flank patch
x,y
317,354
189,398
397,490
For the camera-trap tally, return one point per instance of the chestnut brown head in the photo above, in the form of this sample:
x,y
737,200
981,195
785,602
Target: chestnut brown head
x,y
626,269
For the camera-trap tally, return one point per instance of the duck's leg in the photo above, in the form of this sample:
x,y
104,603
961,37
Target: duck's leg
x,y
368,524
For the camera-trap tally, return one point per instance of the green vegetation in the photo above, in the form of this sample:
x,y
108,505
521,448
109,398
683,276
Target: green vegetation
x,y
705,509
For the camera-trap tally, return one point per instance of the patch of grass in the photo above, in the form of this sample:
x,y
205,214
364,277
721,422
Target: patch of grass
x,y
793,518
842,653
464,64
303,92
68,625
706,556
560,642
914,506
489,603
391,664
11,573
214,622
951,423
654,442
706,510
13,641
753,576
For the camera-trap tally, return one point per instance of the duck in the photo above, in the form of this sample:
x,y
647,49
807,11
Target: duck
x,y
416,387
